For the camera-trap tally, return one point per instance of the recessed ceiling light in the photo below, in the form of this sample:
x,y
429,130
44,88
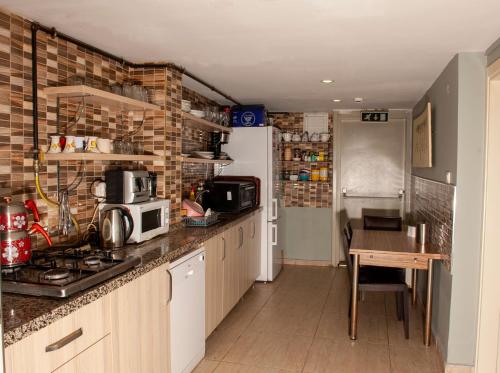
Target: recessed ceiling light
x,y
327,81
337,100
358,99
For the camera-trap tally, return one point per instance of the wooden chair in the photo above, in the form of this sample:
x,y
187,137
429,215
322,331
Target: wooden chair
x,y
380,279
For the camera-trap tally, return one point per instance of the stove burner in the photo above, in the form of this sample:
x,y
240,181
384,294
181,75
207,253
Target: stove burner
x,y
14,269
56,274
92,260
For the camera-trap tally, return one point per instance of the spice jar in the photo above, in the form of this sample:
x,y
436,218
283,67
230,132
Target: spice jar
x,y
315,174
323,173
288,154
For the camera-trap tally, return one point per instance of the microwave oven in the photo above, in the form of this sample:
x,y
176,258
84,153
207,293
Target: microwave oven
x,y
150,218
231,196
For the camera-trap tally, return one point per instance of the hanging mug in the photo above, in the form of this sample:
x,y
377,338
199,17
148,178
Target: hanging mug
x,y
92,145
70,145
55,145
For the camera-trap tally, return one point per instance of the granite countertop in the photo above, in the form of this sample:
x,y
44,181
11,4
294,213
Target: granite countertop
x,y
24,315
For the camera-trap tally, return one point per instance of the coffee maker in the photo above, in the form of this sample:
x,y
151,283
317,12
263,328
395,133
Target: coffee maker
x,y
216,140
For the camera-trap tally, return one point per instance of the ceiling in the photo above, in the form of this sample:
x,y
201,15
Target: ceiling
x,y
276,52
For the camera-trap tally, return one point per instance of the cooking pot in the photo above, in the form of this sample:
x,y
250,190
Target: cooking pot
x,y
14,216
16,245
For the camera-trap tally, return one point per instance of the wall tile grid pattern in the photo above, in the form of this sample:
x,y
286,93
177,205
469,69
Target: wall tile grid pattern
x,y
58,61
304,194
433,202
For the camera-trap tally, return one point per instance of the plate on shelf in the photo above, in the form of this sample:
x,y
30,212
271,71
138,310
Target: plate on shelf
x,y
198,113
204,155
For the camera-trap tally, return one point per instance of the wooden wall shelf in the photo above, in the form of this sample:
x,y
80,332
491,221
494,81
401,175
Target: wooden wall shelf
x,y
100,157
308,162
100,97
203,124
201,160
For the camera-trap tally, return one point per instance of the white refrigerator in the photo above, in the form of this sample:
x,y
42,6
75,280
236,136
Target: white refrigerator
x,y
255,151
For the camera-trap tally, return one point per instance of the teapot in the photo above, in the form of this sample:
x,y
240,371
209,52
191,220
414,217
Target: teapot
x,y
14,215
15,241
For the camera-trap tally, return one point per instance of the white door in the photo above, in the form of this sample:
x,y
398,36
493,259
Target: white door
x,y
488,339
371,161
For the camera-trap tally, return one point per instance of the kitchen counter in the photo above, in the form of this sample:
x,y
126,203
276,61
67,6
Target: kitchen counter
x,y
24,315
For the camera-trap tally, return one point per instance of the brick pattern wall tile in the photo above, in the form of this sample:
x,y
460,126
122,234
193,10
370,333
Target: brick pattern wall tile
x,y
58,63
304,194
433,202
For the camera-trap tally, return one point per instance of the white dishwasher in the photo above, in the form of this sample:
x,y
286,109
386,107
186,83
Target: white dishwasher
x,y
187,311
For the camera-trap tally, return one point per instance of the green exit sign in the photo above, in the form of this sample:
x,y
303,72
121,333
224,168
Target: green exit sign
x,y
374,116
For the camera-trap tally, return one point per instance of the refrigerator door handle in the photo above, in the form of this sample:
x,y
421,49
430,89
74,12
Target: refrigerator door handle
x,y
274,209
274,234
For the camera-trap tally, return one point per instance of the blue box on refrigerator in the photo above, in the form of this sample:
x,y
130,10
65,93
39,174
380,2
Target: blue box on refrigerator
x,y
248,116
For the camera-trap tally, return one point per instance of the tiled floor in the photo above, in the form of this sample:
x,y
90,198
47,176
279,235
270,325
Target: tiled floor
x,y
299,324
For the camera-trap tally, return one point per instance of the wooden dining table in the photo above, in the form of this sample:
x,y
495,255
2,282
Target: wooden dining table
x,y
392,249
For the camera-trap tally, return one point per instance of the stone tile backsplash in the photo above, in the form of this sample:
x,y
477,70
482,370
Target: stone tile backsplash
x,y
304,194
433,202
58,63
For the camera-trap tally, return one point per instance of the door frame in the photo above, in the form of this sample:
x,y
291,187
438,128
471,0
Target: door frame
x,y
397,114
488,328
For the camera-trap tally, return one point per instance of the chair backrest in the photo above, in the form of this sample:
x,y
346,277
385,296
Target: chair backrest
x,y
346,244
382,223
348,232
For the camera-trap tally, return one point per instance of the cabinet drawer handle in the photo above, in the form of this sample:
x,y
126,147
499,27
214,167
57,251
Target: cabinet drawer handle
x,y
241,238
224,248
64,341
253,233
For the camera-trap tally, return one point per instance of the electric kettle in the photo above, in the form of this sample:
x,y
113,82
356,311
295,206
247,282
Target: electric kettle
x,y
116,227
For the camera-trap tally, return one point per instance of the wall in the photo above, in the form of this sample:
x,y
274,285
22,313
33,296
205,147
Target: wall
x,y
58,61
443,96
458,102
305,226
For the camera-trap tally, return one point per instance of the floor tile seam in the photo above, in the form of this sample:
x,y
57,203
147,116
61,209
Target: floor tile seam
x,y
319,322
259,366
245,328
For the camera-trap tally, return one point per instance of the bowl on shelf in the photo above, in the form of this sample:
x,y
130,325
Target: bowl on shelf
x,y
198,113
294,177
186,106
325,136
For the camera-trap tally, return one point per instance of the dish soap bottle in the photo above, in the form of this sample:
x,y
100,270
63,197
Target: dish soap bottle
x,y
192,195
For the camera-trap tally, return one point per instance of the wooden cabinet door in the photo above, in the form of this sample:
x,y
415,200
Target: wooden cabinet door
x,y
214,283
95,359
140,324
231,266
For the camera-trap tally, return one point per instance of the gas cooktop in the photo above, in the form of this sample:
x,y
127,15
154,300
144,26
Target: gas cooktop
x,y
63,272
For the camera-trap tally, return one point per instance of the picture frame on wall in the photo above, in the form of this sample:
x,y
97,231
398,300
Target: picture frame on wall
x,y
422,139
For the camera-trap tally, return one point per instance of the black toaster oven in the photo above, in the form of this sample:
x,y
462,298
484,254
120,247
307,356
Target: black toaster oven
x,y
230,196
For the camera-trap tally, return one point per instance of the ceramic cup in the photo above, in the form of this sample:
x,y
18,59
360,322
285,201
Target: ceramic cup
x,y
287,137
104,145
325,136
55,145
79,144
69,147
92,145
